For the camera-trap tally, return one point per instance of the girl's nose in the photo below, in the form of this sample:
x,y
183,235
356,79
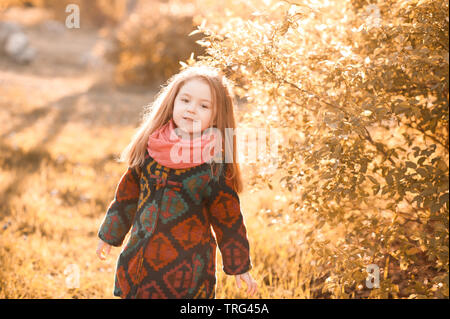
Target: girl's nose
x,y
191,111
191,108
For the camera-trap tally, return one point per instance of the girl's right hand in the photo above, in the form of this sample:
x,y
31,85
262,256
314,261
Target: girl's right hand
x,y
103,249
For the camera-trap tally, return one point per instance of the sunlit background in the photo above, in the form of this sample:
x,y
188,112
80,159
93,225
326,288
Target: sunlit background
x,y
354,203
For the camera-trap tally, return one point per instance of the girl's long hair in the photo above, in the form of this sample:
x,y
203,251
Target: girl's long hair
x,y
160,111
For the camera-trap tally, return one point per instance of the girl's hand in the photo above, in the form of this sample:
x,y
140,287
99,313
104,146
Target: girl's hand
x,y
103,249
252,286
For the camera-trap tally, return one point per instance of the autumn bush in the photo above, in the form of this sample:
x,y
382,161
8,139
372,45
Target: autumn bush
x,y
360,90
150,43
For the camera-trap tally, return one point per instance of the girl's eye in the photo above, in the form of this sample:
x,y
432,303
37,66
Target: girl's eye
x,y
185,100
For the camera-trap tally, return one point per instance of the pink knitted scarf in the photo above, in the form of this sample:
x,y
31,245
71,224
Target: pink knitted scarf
x,y
170,150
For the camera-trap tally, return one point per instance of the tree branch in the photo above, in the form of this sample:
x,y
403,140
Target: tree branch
x,y
427,135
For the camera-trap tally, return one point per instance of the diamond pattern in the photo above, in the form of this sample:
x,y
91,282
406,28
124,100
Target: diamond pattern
x,y
149,216
172,206
135,268
189,232
171,252
224,208
151,290
132,241
121,284
234,254
179,279
198,264
128,188
160,252
194,184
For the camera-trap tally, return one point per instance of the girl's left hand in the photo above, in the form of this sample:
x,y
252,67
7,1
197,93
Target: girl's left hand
x,y
252,286
103,249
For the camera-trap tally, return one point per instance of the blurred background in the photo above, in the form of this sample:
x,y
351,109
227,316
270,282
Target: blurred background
x,y
353,203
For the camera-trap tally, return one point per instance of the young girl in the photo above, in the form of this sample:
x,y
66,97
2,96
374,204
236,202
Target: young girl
x,y
171,204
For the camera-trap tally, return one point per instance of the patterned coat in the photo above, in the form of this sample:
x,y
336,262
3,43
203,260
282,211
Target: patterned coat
x,y
171,251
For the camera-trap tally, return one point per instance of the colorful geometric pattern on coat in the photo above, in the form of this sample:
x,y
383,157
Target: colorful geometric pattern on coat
x,y
171,250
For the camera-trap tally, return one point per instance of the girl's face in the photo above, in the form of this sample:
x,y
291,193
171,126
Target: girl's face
x,y
193,109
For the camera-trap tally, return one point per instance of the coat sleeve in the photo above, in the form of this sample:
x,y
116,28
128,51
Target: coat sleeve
x,y
121,211
225,216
